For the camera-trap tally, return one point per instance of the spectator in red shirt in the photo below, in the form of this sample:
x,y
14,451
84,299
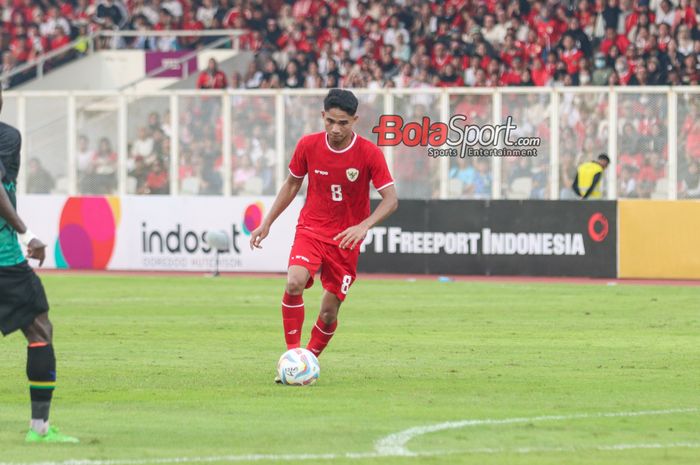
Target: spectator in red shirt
x,y
190,23
545,26
360,21
613,38
552,61
440,57
158,182
585,16
509,50
533,47
59,39
622,71
570,55
511,76
19,49
450,78
212,77
35,41
686,14
540,76
641,16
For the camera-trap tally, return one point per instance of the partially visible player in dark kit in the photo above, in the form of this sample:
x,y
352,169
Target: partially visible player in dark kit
x,y
23,304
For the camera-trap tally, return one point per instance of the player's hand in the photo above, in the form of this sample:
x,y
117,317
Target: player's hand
x,y
352,236
37,250
258,235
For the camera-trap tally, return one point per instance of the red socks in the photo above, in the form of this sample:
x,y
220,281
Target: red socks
x,y
321,335
292,319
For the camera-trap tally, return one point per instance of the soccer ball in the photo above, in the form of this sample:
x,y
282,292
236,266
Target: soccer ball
x,y
298,367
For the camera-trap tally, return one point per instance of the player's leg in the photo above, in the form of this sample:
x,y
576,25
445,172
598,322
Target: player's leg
x,y
327,322
304,260
293,305
337,275
41,372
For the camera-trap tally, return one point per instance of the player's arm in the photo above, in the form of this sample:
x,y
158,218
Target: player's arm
x,y
596,180
574,186
287,193
35,248
355,234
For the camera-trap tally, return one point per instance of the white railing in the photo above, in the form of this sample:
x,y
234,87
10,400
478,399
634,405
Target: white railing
x,y
574,124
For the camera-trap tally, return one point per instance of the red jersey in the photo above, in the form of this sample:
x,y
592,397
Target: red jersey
x,y
207,81
338,192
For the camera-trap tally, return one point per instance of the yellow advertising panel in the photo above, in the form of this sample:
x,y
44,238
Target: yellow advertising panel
x,y
659,239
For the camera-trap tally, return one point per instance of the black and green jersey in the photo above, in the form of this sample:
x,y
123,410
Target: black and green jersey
x,y
10,143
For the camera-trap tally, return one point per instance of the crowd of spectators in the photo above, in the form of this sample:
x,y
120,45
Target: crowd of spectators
x,y
380,43
375,43
201,166
406,44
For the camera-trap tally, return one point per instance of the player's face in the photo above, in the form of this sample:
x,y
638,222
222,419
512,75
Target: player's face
x,y
338,125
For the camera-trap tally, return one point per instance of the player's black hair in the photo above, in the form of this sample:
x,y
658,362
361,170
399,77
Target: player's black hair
x,y
341,99
604,157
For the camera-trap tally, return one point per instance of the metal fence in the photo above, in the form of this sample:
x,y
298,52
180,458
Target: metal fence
x,y
240,141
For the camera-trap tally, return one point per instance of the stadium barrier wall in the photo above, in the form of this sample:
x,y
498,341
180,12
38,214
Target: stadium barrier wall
x,y
659,239
508,237
156,232
505,237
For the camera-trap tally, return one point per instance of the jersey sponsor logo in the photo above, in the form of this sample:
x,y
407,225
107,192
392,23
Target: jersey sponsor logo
x,y
352,174
322,173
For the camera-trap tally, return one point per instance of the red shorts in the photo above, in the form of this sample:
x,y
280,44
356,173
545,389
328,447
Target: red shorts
x,y
338,266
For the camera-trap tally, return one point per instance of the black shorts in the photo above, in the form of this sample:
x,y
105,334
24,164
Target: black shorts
x,y
22,297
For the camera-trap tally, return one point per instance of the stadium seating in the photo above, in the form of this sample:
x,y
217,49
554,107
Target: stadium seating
x,y
377,44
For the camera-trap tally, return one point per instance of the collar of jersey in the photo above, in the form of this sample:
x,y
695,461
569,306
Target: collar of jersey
x,y
354,136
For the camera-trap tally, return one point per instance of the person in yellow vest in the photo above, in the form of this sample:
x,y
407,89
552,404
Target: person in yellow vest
x,y
587,181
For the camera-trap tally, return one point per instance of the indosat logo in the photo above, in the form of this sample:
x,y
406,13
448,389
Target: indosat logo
x,y
183,240
87,232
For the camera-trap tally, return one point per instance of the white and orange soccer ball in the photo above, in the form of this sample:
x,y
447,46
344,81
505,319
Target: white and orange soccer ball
x,y
298,367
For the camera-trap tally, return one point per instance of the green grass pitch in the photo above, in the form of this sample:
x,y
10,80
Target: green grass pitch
x,y
154,368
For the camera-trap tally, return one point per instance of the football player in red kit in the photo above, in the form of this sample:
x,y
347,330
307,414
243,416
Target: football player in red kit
x,y
335,218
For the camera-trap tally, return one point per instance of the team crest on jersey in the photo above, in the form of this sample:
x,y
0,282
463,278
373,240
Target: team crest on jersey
x,y
352,174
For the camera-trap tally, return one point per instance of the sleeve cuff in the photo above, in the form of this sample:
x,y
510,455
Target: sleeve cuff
x,y
385,185
296,176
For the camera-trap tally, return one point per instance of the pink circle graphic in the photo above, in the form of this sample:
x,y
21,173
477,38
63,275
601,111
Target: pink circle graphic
x,y
253,216
87,232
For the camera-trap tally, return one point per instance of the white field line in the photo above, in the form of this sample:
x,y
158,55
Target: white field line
x,y
355,456
611,447
394,445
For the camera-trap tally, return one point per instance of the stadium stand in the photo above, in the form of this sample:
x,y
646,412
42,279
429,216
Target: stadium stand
x,y
359,43
412,44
